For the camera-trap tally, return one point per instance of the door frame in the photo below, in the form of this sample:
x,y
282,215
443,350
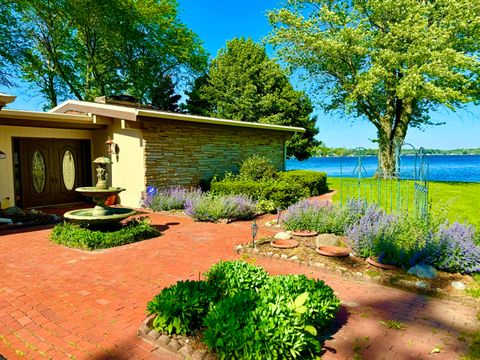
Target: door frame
x,y
82,169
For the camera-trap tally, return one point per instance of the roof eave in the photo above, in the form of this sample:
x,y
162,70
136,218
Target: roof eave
x,y
216,121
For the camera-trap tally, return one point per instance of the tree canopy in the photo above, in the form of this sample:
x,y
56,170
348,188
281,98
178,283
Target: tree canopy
x,y
390,61
88,48
244,84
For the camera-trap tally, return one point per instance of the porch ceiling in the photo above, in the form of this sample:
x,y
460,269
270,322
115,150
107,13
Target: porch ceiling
x,y
49,120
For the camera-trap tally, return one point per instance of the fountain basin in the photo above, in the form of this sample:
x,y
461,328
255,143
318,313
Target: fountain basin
x,y
94,192
90,216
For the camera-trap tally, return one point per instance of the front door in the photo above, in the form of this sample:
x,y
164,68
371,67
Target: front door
x,y
51,169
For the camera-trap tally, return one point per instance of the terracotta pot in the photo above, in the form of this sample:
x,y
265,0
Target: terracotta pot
x,y
284,244
304,233
380,265
335,251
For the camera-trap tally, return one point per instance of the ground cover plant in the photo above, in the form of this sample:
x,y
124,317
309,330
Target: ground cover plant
x,y
243,313
76,236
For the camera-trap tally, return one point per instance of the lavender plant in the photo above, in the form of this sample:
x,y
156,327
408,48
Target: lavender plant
x,y
322,216
173,198
372,234
212,208
455,249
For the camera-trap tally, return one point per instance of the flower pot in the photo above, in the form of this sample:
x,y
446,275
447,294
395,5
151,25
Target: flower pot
x,y
334,251
284,244
375,263
304,233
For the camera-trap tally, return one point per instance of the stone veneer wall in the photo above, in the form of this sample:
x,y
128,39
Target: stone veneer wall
x,y
183,153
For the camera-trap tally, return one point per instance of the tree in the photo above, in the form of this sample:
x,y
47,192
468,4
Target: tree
x,y
89,48
9,43
163,96
244,84
390,61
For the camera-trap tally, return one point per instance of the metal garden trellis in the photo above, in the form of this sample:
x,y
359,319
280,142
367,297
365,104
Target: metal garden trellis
x,y
393,192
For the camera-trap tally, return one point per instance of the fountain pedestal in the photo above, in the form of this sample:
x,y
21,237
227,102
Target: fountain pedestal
x,y
100,214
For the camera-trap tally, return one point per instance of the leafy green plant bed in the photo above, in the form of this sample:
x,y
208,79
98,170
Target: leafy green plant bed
x,y
243,313
76,236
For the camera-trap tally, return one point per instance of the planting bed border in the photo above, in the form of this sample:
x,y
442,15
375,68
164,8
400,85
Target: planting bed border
x,y
175,345
403,284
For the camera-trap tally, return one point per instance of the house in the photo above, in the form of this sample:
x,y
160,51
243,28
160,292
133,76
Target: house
x,y
44,156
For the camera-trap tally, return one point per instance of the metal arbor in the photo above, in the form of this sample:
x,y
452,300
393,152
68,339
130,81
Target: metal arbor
x,y
406,189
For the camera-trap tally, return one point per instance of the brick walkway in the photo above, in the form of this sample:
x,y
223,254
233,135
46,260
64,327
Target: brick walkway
x,y
61,303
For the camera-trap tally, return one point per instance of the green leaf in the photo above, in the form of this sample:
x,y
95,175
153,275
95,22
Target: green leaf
x,y
311,330
301,299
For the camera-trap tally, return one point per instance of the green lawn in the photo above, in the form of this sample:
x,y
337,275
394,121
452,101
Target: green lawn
x,y
462,200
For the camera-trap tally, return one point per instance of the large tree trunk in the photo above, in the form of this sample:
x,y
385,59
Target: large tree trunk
x,y
386,156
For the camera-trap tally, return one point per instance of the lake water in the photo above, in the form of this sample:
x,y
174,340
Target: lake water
x,y
463,168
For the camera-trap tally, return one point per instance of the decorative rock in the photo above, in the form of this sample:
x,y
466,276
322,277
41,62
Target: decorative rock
x,y
186,350
153,335
282,236
421,284
327,240
283,256
163,340
5,221
276,256
293,258
143,330
269,253
174,345
13,210
423,271
458,285
239,248
198,355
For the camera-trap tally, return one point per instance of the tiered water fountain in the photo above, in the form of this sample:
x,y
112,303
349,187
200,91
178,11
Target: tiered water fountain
x,y
101,214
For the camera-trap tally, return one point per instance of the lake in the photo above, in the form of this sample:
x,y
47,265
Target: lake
x,y
463,168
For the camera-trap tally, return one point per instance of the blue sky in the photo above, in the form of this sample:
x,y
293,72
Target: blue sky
x,y
217,21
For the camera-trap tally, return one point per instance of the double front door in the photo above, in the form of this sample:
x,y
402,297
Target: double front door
x,y
51,169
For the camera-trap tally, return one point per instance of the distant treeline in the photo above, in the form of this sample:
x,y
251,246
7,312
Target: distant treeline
x,y
326,151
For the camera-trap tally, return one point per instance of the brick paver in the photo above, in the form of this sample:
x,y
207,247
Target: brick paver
x,y
61,303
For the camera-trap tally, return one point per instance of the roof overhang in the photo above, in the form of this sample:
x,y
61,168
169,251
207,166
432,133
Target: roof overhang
x,y
215,121
138,115
48,120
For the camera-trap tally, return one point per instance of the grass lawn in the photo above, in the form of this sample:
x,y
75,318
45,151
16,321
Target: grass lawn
x,y
462,200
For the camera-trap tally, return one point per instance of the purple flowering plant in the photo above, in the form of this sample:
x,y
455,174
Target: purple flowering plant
x,y
173,198
322,216
211,208
456,250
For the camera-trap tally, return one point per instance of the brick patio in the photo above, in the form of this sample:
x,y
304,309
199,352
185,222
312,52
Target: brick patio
x,y
61,303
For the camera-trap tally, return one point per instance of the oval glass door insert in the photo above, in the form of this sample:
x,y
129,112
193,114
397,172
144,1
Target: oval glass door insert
x,y
68,170
38,171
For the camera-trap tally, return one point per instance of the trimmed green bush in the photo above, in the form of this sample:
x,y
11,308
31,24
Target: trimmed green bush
x,y
235,186
182,307
256,168
231,277
279,193
75,236
315,181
